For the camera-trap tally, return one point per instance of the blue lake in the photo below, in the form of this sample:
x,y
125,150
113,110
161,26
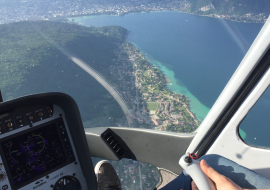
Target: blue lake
x,y
198,54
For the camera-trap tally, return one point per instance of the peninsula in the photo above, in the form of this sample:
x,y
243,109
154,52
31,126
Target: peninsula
x,y
144,87
33,60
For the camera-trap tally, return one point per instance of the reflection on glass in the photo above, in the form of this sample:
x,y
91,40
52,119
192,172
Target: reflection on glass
x,y
254,129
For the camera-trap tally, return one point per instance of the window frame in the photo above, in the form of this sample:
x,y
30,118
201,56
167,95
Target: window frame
x,y
245,78
230,145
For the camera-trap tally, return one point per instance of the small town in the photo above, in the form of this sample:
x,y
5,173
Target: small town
x,y
48,9
152,105
29,10
136,175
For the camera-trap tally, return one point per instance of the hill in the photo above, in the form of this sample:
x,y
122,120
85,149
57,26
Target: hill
x,y
239,10
31,63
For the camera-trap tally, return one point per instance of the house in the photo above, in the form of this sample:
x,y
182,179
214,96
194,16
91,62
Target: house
x,y
155,121
178,121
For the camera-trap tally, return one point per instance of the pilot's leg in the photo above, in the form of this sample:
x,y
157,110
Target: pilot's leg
x,y
242,176
181,182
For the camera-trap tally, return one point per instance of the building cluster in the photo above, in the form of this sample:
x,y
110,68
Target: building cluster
x,y
144,89
249,17
125,82
50,9
166,110
136,175
60,9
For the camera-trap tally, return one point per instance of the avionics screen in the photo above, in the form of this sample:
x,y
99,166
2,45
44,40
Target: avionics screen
x,y
32,154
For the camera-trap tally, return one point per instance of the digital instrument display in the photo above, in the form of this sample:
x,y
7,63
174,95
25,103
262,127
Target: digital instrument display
x,y
32,154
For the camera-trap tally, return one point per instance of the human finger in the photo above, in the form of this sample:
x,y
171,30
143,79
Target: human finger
x,y
210,172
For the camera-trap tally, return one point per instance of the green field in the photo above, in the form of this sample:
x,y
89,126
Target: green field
x,y
145,73
152,106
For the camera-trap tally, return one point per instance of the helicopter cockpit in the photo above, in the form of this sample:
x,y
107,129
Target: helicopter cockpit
x,y
37,146
44,144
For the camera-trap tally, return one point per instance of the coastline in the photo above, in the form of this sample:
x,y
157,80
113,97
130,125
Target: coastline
x,y
192,13
173,111
195,106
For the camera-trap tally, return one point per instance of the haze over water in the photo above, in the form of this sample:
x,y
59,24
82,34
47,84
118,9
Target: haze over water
x,y
198,54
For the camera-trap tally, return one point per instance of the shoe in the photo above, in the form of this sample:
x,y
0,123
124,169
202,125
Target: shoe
x,y
107,178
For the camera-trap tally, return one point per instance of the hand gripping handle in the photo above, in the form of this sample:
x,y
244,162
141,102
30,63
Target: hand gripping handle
x,y
193,169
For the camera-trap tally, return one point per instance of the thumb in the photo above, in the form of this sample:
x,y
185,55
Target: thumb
x,y
210,172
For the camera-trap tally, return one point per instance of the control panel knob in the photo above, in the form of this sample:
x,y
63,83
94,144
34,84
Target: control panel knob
x,y
10,124
188,159
40,114
67,183
30,117
49,111
20,121
2,176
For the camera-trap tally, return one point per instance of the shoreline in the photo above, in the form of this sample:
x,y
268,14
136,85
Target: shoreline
x,y
181,90
176,88
109,14
173,112
195,106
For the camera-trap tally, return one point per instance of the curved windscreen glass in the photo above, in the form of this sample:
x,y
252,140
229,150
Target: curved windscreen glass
x,y
145,73
254,129
158,65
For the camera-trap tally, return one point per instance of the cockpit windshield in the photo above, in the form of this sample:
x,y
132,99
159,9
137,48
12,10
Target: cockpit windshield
x,y
159,65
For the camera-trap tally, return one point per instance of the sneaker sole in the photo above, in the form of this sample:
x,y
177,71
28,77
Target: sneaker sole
x,y
97,167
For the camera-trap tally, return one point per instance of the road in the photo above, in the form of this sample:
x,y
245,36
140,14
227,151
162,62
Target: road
x,y
136,84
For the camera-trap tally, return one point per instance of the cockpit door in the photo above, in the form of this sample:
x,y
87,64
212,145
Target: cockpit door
x,y
219,133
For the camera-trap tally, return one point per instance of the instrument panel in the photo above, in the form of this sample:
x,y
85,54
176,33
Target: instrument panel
x,y
37,150
34,152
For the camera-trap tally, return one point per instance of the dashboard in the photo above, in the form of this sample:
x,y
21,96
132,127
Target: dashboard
x,y
41,147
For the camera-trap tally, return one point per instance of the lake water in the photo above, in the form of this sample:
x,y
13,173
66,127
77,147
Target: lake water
x,y
198,54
